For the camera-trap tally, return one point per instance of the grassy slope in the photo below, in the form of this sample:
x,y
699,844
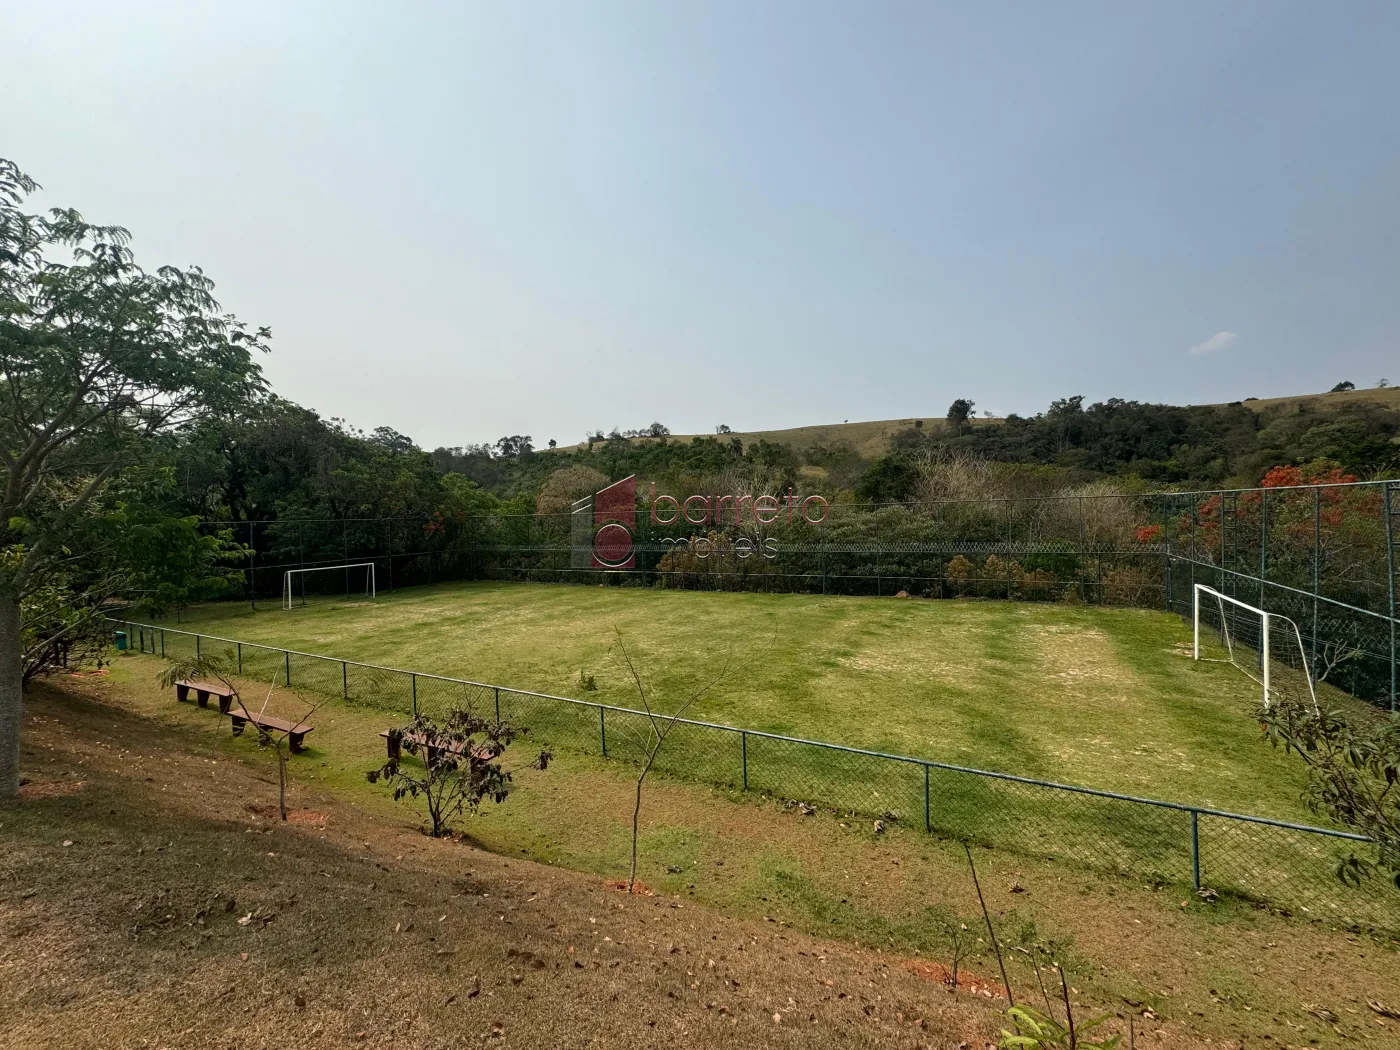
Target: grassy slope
x,y
160,828
1388,397
148,900
1092,696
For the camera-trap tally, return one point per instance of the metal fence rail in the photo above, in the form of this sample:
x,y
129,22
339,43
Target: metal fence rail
x,y
1287,865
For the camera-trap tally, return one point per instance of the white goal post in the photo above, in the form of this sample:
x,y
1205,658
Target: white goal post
x,y
291,574
1270,661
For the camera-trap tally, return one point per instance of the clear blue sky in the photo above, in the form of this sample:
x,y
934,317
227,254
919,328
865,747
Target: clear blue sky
x,y
463,221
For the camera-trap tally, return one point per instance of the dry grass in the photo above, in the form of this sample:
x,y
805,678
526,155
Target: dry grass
x,y
122,936
151,908
867,438
1388,397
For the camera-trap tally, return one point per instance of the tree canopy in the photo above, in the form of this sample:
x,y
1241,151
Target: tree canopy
x,y
103,364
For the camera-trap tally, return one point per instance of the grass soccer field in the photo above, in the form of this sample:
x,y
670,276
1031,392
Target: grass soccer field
x,y
1106,698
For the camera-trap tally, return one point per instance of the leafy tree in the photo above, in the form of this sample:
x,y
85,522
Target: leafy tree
x,y
958,414
1353,776
1345,384
393,440
460,765
515,446
163,558
567,485
891,479
102,364
277,459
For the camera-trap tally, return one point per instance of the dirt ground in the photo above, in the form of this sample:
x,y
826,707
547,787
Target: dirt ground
x,y
145,903
149,898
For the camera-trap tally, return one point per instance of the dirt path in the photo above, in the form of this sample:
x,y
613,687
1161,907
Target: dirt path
x,y
145,903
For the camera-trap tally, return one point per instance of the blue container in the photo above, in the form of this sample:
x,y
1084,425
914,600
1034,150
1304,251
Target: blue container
x,y
121,641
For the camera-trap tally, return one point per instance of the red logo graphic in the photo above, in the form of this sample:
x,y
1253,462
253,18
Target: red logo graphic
x,y
615,515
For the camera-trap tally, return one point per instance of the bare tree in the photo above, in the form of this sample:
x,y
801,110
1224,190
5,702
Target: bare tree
x,y
216,667
1333,655
658,728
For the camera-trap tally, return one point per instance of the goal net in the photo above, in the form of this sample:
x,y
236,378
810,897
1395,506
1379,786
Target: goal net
x,y
353,579
1268,647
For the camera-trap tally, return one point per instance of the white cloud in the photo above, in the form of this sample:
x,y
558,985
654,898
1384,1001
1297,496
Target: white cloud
x,y
1219,341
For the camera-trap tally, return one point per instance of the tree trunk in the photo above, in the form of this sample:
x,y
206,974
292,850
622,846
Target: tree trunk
x,y
636,817
11,695
281,782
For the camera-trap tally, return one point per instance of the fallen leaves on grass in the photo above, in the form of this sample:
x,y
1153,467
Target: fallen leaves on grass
x,y
968,982
1383,1010
294,816
50,788
639,887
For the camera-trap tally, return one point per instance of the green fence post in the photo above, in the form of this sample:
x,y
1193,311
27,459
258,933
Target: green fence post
x,y
162,641
1166,557
928,826
744,756
498,704
287,663
240,657
1263,542
344,681
603,729
1390,543
1316,573
196,647
413,678
1195,850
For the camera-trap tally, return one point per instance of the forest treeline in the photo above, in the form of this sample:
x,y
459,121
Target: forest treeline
x,y
282,460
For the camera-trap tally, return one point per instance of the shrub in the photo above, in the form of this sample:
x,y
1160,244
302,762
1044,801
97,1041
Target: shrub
x,y
1130,585
961,574
460,764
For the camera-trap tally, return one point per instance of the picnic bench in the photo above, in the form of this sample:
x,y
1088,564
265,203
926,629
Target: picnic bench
x,y
204,690
295,731
393,742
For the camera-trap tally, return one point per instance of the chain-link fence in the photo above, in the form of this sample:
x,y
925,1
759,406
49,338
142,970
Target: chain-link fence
x,y
1288,866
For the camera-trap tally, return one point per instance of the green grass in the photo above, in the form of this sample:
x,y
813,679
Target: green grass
x,y
1100,697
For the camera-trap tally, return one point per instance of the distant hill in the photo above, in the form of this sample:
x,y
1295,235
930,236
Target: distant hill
x,y
871,438
1388,396
867,438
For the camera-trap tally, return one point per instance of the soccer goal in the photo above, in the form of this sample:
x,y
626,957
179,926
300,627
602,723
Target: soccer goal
x,y
1268,647
294,580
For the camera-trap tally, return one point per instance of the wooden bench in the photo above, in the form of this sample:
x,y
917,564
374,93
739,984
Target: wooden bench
x,y
204,690
295,731
392,744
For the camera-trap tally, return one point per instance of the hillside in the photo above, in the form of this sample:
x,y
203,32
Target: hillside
x,y
1388,397
871,438
866,438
